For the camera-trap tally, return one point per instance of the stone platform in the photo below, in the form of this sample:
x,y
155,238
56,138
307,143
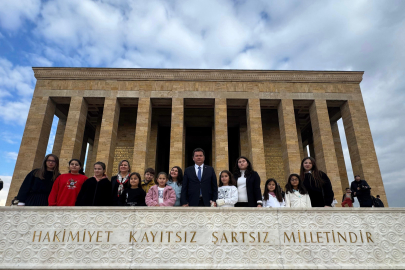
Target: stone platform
x,y
201,238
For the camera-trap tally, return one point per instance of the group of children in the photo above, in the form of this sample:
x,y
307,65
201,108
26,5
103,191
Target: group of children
x,y
128,189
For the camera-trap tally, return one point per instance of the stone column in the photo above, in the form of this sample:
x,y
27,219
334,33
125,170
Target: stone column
x,y
255,138
221,136
289,138
361,146
34,142
324,146
340,157
108,133
74,131
142,132
244,141
152,145
60,132
311,150
176,133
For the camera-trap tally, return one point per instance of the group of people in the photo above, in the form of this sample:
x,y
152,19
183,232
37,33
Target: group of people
x,y
360,189
198,186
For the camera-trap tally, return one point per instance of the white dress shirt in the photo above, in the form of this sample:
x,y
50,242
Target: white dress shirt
x,y
196,169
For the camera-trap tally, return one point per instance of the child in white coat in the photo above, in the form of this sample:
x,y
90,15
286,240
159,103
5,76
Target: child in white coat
x,y
272,196
227,191
296,194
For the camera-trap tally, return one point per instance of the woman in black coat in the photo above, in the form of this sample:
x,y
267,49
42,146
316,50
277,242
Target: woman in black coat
x,y
95,191
120,181
248,184
37,185
317,184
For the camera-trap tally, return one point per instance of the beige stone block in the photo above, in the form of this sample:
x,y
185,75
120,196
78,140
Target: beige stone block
x,y
324,146
361,146
152,145
340,157
221,136
255,133
74,131
108,133
176,133
143,123
60,132
34,142
289,137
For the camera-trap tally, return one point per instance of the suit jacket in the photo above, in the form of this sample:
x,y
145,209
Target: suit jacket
x,y
190,190
254,192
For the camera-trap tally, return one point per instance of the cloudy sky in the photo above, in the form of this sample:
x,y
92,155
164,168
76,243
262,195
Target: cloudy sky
x,y
280,35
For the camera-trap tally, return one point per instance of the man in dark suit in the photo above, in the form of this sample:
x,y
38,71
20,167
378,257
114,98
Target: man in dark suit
x,y
199,186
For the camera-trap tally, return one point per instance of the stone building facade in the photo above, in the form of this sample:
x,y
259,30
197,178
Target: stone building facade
x,y
156,117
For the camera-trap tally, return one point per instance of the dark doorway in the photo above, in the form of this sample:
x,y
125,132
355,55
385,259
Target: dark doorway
x,y
198,137
233,146
162,149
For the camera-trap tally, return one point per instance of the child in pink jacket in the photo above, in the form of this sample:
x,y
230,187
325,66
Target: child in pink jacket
x,y
160,194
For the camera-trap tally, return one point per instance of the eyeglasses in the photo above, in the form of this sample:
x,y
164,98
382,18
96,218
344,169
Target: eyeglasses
x,y
51,161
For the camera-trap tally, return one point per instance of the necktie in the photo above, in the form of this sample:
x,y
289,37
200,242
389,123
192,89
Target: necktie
x,y
199,178
199,173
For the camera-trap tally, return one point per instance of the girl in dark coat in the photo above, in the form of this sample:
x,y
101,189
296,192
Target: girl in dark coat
x,y
133,194
248,184
96,191
317,184
37,185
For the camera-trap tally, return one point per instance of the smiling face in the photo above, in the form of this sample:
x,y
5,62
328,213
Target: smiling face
x,y
124,168
74,167
134,181
307,165
294,182
225,179
98,170
242,164
271,186
198,158
162,180
174,173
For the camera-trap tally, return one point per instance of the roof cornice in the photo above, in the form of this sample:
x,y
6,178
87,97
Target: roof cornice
x,y
215,75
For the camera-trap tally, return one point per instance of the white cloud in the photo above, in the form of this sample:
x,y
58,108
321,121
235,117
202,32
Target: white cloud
x,y
10,137
11,156
16,88
6,186
13,13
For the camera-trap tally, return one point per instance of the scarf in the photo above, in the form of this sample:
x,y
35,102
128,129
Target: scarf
x,y
121,181
272,194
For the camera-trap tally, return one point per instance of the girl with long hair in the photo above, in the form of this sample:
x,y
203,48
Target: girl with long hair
x,y
37,185
67,186
134,195
272,196
296,194
227,190
176,181
120,181
96,191
248,184
317,183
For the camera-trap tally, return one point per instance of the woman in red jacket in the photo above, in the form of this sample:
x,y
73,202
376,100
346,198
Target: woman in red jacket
x,y
67,186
